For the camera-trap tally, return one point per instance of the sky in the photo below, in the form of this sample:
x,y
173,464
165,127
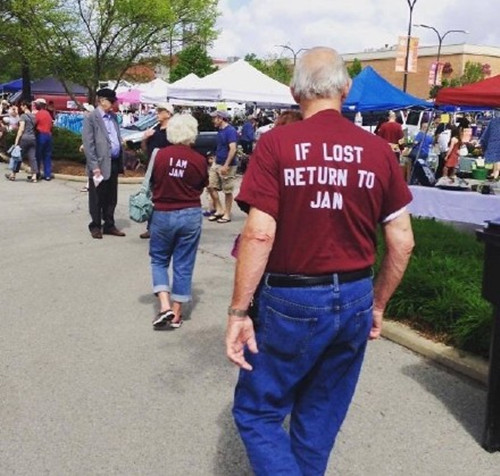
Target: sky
x,y
349,26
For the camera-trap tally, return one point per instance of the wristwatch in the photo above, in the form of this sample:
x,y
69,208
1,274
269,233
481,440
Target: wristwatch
x,y
231,311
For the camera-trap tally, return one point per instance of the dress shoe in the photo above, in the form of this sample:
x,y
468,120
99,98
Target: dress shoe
x,y
114,232
145,236
97,234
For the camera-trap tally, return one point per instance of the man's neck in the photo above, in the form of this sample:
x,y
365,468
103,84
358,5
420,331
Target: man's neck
x,y
310,107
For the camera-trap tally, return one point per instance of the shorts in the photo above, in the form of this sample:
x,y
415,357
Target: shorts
x,y
217,181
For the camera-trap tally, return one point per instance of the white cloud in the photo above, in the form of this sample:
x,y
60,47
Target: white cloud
x,y
256,26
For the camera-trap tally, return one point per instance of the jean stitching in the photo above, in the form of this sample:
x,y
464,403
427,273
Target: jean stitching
x,y
306,339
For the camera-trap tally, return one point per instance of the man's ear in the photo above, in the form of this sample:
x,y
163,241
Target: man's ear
x,y
345,90
295,97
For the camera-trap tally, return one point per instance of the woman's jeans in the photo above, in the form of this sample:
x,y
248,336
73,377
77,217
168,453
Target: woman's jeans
x,y
174,236
311,343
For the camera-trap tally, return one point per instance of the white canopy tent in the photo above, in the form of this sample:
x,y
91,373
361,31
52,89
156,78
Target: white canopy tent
x,y
238,82
189,81
154,92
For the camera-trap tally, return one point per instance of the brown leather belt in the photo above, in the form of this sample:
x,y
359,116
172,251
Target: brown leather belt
x,y
303,281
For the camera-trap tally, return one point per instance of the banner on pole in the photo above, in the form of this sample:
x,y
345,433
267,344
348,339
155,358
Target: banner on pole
x,y
401,54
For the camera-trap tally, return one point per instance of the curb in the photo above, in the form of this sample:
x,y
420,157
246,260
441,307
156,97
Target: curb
x,y
83,178
460,361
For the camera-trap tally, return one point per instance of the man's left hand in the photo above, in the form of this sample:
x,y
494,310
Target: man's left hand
x,y
240,333
224,170
376,329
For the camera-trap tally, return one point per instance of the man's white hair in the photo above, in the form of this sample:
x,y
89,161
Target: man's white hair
x,y
182,129
319,73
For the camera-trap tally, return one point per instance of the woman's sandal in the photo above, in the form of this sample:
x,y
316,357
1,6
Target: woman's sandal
x,y
10,177
162,318
176,325
215,216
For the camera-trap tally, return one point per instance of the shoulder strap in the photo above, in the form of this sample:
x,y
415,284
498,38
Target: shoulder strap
x,y
149,171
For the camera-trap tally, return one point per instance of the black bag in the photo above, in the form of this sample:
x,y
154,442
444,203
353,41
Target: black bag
x,y
422,174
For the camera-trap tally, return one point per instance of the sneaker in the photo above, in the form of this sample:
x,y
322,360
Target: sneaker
x,y
163,318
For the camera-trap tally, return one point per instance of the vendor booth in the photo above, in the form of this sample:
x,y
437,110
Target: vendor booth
x,y
483,93
371,92
238,82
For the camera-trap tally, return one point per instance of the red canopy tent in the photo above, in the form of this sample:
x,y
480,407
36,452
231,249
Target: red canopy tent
x,y
483,93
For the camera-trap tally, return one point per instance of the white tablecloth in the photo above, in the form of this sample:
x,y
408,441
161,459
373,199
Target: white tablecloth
x,y
449,205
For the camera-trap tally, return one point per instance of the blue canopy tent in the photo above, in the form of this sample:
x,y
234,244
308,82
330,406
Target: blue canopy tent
x,y
371,92
11,86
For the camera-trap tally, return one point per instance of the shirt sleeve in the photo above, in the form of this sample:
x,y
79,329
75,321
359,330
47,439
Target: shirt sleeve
x,y
396,194
260,185
232,135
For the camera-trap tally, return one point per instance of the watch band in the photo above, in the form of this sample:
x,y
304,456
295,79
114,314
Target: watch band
x,y
231,311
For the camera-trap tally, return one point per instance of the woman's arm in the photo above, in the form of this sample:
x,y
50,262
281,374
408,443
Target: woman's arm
x,y
20,131
453,141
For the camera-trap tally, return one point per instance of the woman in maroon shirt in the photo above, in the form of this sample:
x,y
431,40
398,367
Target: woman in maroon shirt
x,y
179,176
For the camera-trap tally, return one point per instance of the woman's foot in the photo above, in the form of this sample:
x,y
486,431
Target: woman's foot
x,y
10,177
163,318
175,324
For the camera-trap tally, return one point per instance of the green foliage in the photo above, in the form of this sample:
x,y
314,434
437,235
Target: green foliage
x,y
87,41
66,145
276,68
193,59
473,72
354,68
441,289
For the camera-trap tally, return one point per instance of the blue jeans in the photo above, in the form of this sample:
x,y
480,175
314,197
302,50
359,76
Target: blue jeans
x,y
44,154
174,236
311,344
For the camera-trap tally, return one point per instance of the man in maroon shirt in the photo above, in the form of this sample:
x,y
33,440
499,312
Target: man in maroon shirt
x,y
315,190
392,132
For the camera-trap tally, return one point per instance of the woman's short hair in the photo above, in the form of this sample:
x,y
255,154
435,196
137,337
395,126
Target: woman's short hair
x,y
320,73
25,103
182,129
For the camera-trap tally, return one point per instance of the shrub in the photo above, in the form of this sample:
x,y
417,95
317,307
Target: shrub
x,y
65,145
441,290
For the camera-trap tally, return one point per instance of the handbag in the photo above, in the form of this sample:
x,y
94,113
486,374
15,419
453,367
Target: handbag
x,y
140,204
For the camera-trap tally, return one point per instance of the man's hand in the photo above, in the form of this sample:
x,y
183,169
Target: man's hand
x,y
377,324
97,172
148,133
240,333
224,170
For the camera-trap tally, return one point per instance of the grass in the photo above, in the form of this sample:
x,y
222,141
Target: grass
x,y
441,291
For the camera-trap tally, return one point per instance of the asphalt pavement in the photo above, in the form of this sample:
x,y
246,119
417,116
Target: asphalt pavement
x,y
88,388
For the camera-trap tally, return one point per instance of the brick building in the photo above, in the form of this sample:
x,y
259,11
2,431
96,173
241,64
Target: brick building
x,y
383,61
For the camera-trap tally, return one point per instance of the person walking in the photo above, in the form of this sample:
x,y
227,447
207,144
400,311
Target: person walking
x,y
303,305
104,156
179,176
222,173
44,124
25,138
392,132
156,138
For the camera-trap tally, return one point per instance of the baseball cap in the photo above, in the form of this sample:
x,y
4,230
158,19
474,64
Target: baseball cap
x,y
165,106
222,114
40,101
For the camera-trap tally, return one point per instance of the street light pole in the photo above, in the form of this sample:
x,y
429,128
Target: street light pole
x,y
440,42
411,4
294,53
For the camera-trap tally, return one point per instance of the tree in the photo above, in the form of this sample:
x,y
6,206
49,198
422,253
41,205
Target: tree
x,y
354,68
87,41
276,68
473,72
192,59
